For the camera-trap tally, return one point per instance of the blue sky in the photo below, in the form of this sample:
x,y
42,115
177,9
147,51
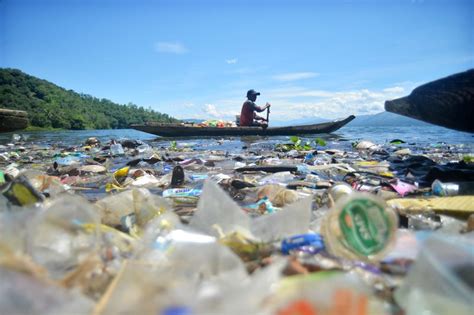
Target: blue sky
x,y
197,59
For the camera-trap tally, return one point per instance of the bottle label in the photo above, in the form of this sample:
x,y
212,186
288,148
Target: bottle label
x,y
182,192
365,226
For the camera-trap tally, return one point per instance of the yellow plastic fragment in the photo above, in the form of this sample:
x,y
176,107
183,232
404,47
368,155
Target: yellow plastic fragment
x,y
244,247
118,179
110,186
123,172
367,163
455,205
23,194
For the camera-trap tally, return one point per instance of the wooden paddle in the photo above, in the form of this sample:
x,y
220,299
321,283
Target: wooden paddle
x,y
268,114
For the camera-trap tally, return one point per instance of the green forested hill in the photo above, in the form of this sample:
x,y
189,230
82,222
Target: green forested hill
x,y
49,105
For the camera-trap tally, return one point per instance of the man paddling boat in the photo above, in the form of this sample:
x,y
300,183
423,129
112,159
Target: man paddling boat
x,y
248,115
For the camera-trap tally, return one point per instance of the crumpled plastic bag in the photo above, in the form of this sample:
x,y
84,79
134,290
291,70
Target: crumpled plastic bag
x,y
63,234
140,202
218,214
156,288
167,240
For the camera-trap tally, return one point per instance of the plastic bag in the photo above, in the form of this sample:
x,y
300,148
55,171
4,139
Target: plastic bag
x,y
441,281
137,201
219,215
63,235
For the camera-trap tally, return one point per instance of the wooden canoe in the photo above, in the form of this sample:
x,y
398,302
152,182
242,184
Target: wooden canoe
x,y
447,102
181,130
11,120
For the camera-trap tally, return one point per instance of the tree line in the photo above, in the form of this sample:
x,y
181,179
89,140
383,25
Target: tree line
x,y
50,106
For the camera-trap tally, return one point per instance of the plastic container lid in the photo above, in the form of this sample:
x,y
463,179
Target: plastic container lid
x,y
360,226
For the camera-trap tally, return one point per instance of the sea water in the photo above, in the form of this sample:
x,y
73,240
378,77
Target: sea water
x,y
426,136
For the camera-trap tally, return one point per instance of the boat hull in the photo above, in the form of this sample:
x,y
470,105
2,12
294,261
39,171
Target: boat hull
x,y
447,102
177,130
11,120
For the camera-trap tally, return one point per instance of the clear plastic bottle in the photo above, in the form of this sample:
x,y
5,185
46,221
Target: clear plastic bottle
x,y
444,189
116,149
452,188
360,226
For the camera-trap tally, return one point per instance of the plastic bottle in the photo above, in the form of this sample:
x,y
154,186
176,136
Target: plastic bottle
x,y
359,226
452,189
143,148
116,149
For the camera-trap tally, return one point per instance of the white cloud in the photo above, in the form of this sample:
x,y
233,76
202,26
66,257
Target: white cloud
x,y
231,61
171,47
297,102
226,110
294,76
395,89
212,111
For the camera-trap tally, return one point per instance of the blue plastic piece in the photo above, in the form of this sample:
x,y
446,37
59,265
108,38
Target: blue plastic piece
x,y
177,310
297,241
308,157
268,205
